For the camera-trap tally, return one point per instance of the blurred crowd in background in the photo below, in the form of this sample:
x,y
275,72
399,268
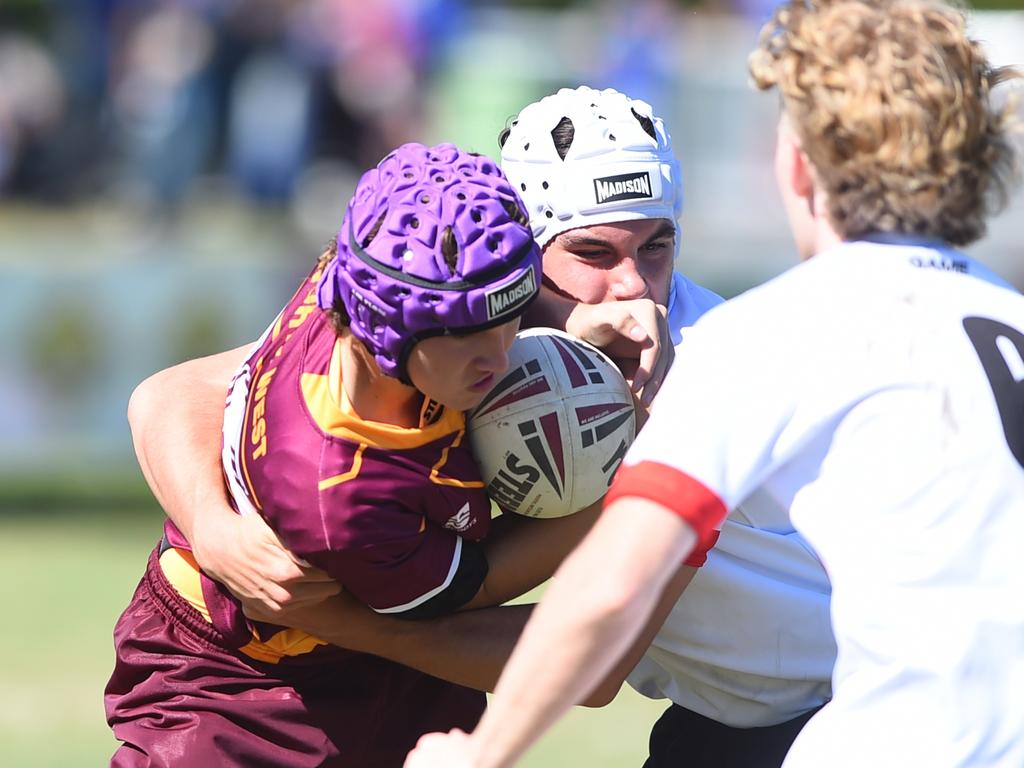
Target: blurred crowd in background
x,y
139,98
169,168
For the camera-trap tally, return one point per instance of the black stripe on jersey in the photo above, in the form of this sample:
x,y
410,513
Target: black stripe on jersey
x,y
464,585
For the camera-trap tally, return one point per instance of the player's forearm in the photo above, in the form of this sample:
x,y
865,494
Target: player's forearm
x,y
524,552
594,609
469,648
175,418
549,310
607,689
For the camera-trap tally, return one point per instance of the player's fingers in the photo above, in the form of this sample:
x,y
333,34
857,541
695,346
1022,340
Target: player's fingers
x,y
266,593
658,374
280,569
440,750
259,611
314,592
311,575
648,317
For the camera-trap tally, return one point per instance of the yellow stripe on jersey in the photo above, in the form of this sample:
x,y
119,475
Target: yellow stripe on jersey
x,y
435,471
182,571
357,463
288,642
329,407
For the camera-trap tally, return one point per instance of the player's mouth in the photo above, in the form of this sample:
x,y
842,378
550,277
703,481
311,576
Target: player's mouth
x,y
483,385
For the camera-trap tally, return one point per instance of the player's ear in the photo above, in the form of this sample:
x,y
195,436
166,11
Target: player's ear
x,y
793,166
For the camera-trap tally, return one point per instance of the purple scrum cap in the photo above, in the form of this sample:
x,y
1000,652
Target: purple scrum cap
x,y
389,272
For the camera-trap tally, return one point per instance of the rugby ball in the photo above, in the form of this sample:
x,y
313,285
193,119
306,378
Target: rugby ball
x,y
551,433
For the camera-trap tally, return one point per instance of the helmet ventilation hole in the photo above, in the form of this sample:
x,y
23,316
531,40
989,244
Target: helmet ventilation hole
x,y
646,123
374,230
562,136
450,248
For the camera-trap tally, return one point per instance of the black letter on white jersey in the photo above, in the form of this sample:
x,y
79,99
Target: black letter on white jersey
x,y
984,334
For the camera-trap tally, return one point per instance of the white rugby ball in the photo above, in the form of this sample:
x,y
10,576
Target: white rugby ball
x,y
551,433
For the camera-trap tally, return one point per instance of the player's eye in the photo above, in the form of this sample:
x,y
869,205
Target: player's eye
x,y
657,247
592,254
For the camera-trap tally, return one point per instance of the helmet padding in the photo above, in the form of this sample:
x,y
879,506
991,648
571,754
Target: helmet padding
x,y
391,274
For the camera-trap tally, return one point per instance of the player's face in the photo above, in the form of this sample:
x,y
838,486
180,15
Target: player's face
x,y
457,371
613,262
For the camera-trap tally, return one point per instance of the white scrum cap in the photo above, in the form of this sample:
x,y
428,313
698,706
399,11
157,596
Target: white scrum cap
x,y
619,166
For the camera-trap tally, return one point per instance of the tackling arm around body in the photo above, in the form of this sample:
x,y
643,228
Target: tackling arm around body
x,y
177,442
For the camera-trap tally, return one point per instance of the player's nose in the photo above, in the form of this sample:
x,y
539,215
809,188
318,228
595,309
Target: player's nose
x,y
493,353
627,282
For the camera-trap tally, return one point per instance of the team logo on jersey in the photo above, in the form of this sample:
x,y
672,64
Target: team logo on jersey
x,y
501,301
460,521
625,186
432,411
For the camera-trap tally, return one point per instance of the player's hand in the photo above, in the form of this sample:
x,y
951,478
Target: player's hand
x,y
245,555
442,750
635,333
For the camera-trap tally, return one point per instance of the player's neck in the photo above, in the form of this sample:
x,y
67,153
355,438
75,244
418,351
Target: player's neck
x,y
826,237
822,235
372,395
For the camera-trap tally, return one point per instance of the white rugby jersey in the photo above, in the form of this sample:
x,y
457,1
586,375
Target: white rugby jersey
x,y
687,301
762,590
877,392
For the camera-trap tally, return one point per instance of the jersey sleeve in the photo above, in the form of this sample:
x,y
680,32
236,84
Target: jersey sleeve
x,y
682,494
397,562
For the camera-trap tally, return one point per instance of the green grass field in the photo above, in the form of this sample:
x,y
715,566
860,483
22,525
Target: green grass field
x,y
64,578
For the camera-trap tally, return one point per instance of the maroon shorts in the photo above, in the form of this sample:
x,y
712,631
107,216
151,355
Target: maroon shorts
x,y
179,697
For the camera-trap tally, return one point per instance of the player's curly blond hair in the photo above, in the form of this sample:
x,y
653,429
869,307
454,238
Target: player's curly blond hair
x,y
891,102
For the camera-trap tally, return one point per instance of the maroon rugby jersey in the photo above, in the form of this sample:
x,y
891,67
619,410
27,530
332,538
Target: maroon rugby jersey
x,y
383,509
